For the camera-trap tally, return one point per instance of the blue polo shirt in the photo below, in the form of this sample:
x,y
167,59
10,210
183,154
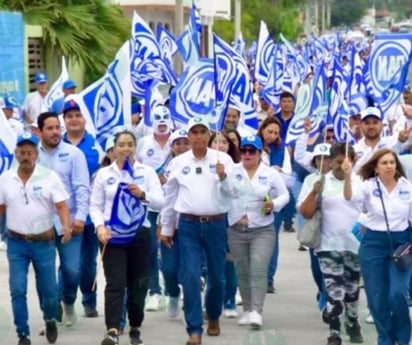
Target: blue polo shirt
x,y
285,125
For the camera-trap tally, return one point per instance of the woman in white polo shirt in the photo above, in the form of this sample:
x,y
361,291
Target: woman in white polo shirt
x,y
337,252
251,226
386,195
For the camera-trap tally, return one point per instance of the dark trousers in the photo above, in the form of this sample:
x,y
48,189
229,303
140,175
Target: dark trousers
x,y
126,266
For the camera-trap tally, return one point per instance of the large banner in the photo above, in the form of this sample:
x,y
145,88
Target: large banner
x,y
12,55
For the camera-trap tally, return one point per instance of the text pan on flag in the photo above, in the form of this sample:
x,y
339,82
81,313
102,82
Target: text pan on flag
x,y
194,94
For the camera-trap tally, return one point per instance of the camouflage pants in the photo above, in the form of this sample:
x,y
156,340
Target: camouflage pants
x,y
341,271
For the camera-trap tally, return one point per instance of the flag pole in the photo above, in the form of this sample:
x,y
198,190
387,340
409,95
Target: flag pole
x,y
100,263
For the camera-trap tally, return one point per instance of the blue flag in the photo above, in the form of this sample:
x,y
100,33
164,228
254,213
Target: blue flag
x,y
167,44
264,54
128,212
8,140
195,26
187,48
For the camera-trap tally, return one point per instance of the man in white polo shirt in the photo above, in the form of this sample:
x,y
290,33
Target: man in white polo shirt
x,y
29,194
34,103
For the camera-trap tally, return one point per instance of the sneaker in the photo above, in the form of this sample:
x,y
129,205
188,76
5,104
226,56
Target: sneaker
x,y
90,312
173,309
369,319
354,332
51,331
302,248
288,228
69,315
334,339
255,320
230,313
271,288
238,298
325,316
3,247
244,319
153,303
134,335
110,338
24,341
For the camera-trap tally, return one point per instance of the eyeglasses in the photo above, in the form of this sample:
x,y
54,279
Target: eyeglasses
x,y
249,150
25,196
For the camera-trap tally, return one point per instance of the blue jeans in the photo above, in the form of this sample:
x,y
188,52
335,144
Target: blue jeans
x,y
154,286
3,228
273,263
386,287
170,267
88,265
69,270
289,211
194,237
318,278
43,257
230,285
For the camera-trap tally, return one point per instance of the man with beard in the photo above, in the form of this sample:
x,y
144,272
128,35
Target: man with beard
x,y
371,127
30,194
154,151
70,165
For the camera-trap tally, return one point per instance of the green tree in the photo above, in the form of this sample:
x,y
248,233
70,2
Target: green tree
x,y
348,12
88,31
279,15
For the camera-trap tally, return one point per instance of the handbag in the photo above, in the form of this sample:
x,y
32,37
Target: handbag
x,y
402,255
309,235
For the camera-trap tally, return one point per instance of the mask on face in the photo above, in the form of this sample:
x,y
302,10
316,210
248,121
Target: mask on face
x,y
161,116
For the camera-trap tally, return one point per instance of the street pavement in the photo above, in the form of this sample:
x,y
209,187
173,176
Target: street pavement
x,y
290,316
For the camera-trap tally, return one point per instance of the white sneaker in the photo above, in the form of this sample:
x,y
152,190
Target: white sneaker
x,y
255,320
173,309
369,319
230,313
69,315
153,303
244,319
3,246
238,298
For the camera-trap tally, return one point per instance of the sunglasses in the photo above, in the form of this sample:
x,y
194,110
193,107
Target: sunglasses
x,y
248,150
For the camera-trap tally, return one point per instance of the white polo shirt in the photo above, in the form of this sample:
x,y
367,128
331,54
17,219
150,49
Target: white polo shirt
x,y
193,187
364,152
30,208
105,186
34,104
149,151
338,214
398,204
16,125
249,202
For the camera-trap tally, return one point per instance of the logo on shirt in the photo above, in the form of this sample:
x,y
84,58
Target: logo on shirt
x,y
404,194
64,157
376,193
150,152
359,154
239,177
212,168
263,180
139,179
37,191
111,180
185,170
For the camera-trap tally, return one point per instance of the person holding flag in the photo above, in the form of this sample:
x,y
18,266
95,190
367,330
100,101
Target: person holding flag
x,y
120,196
7,105
34,103
68,88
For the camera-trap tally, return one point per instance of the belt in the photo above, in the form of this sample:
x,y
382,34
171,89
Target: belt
x,y
203,219
42,237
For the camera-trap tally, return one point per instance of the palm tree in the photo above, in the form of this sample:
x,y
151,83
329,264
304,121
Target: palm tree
x,y
88,31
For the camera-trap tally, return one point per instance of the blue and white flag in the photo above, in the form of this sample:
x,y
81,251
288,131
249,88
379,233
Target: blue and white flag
x,y
388,66
195,26
167,43
241,93
146,62
56,91
8,139
195,95
153,98
264,54
239,45
187,49
128,212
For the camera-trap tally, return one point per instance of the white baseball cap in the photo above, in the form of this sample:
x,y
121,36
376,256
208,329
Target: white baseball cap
x,y
198,121
371,111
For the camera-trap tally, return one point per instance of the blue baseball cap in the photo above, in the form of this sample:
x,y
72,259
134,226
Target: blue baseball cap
x,y
41,77
70,104
69,84
252,140
27,137
8,102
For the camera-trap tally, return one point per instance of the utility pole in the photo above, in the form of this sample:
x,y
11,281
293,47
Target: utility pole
x,y
323,14
238,11
316,17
